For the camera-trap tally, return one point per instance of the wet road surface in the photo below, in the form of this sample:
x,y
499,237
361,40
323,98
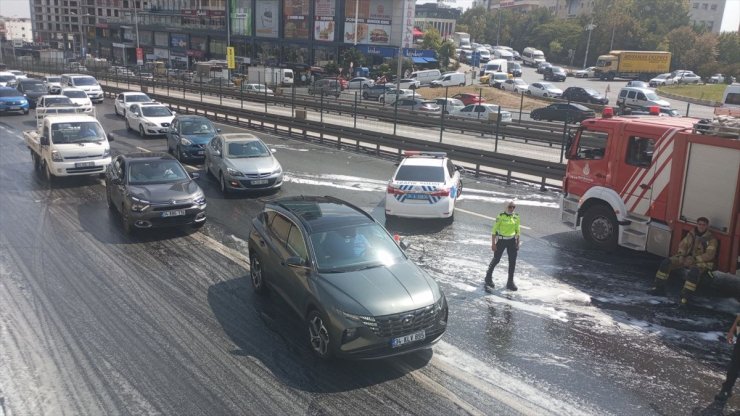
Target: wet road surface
x,y
96,322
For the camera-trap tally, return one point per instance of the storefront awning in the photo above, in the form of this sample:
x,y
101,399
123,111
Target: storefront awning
x,y
417,33
430,60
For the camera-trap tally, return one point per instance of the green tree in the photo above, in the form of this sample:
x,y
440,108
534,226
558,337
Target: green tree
x,y
351,55
432,39
446,52
680,42
728,48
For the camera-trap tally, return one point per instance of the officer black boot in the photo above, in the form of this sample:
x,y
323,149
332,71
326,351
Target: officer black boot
x,y
723,395
488,285
510,285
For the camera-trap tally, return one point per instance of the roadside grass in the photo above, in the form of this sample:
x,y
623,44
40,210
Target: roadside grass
x,y
711,92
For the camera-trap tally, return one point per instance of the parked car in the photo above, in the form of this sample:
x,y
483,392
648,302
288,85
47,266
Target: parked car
x,y
662,79
589,72
78,97
32,89
409,84
188,136
360,296
449,105
149,118
257,89
570,112
242,162
686,77
5,78
544,89
542,66
124,100
497,79
376,91
468,98
151,190
554,73
392,95
637,83
360,83
220,83
12,100
640,97
584,95
325,86
419,104
716,79
516,85
18,74
483,112
514,69
425,185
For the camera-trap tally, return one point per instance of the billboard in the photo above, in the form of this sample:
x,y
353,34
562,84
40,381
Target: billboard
x,y
373,25
267,18
324,20
241,17
295,19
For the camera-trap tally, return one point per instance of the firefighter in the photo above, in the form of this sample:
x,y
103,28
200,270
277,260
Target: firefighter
x,y
696,255
505,236
734,369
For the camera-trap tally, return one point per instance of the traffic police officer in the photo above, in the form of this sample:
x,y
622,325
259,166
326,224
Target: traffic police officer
x,y
696,253
504,236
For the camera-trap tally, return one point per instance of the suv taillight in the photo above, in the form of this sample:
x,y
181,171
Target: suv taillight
x,y
394,191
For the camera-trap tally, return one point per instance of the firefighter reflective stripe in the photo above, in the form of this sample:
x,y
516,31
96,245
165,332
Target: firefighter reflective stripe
x,y
689,286
661,275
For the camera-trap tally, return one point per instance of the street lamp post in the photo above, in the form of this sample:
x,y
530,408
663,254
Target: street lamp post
x,y
590,27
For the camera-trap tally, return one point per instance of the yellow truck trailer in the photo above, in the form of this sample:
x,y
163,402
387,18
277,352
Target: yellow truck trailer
x,y
642,65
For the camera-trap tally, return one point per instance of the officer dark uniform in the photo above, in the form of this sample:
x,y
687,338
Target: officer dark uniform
x,y
734,369
504,236
696,253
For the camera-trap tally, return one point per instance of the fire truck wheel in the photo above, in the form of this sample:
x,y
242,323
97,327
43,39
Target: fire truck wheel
x,y
600,227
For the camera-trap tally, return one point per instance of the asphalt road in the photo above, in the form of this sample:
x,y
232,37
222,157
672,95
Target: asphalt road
x,y
96,322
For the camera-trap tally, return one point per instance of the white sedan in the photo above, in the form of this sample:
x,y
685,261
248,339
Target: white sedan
x,y
79,98
516,85
149,118
360,82
125,99
391,96
662,79
589,72
449,105
257,89
482,112
686,77
544,89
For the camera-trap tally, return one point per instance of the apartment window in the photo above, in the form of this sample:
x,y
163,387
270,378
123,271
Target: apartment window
x,y
713,7
108,12
115,13
704,6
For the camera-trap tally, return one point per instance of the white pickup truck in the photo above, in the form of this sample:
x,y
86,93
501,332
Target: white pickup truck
x,y
69,145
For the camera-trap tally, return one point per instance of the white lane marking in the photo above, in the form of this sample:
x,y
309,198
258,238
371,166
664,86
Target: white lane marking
x,y
228,252
143,149
485,216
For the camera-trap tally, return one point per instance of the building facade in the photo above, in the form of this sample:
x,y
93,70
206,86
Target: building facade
x,y
18,29
433,15
707,13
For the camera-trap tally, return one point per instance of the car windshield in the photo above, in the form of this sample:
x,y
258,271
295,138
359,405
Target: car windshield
x,y
76,132
500,76
354,248
6,78
35,87
652,96
156,171
156,111
412,173
53,79
197,127
247,149
86,81
58,100
591,91
663,76
9,93
519,82
75,94
138,98
547,85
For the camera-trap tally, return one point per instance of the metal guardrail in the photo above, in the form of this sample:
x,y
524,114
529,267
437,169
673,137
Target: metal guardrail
x,y
479,161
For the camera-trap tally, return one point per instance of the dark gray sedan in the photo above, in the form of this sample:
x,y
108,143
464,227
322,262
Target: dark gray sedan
x,y
358,294
153,190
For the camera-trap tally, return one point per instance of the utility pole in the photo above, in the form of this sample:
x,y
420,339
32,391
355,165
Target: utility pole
x,y
498,27
590,27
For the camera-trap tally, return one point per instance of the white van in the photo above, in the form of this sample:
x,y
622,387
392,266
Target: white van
x,y
450,80
640,98
503,54
730,102
86,83
532,56
496,65
426,76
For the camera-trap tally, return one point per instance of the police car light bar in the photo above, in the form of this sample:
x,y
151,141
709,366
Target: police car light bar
x,y
411,153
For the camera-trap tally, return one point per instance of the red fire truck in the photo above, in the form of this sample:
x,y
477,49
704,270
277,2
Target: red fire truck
x,y
642,181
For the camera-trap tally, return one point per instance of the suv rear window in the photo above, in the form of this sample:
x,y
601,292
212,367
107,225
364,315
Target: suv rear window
x,y
421,174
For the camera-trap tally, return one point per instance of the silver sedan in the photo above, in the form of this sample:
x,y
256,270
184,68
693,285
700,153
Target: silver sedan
x,y
242,162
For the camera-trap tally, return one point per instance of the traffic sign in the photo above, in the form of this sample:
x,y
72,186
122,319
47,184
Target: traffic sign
x,y
230,60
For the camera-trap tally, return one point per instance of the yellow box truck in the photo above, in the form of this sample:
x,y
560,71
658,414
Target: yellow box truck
x,y
642,65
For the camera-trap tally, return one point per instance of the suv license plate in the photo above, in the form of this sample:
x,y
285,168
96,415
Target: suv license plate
x,y
174,213
84,164
416,336
258,182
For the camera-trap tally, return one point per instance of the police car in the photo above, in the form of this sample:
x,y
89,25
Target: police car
x,y
425,185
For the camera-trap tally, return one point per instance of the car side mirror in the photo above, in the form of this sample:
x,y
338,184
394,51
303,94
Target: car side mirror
x,y
273,150
218,130
111,137
296,262
404,245
460,169
194,175
44,141
217,153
